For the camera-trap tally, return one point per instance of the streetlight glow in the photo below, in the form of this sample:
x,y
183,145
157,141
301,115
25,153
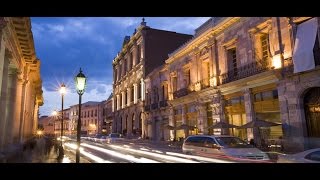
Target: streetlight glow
x,y
63,89
80,81
54,113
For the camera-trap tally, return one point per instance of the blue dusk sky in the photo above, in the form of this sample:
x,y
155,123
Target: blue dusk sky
x,y
63,45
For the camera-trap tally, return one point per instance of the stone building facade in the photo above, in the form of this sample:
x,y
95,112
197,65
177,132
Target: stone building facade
x,y
141,53
20,82
243,69
105,125
47,123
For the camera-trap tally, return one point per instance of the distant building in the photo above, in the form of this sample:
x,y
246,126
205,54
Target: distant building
x,y
105,125
141,53
20,82
47,122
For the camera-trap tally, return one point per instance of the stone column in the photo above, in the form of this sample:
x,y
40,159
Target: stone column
x,y
172,122
135,93
17,111
118,102
123,99
143,95
250,115
202,120
184,118
11,99
4,92
22,110
113,106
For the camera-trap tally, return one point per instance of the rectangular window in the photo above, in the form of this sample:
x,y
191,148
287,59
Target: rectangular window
x,y
95,113
232,55
132,93
264,39
125,66
139,54
174,84
131,61
125,97
139,90
187,77
275,94
115,74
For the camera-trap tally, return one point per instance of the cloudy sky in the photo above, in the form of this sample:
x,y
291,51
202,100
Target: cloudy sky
x,y
63,45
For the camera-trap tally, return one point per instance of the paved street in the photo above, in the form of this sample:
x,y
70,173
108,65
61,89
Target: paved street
x,y
129,152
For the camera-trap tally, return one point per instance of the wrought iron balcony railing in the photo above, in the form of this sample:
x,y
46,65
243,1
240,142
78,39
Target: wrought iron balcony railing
x,y
180,93
245,71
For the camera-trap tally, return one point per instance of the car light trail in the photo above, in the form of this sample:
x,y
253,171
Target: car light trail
x,y
119,155
166,157
91,156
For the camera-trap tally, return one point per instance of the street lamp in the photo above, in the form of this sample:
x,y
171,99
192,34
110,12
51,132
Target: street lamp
x,y
62,92
61,150
80,81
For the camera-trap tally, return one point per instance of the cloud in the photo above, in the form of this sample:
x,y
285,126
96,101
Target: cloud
x,y
66,44
52,99
69,30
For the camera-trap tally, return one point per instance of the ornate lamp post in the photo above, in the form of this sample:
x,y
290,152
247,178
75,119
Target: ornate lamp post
x,y
62,92
80,81
61,150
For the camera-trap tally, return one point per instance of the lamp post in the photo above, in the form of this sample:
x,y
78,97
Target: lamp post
x,y
62,92
80,81
61,150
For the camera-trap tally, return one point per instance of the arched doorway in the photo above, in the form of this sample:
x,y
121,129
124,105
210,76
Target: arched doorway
x,y
312,111
140,124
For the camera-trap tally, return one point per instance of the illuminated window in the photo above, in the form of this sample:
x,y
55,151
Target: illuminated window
x,y
264,39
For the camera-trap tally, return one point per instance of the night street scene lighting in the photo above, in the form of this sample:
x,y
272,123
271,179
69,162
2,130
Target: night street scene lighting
x,y
80,81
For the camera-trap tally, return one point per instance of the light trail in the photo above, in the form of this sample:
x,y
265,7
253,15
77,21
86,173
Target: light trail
x,y
120,155
91,156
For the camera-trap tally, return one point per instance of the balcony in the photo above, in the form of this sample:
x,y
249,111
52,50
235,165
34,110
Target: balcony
x,y
245,71
180,93
163,103
154,106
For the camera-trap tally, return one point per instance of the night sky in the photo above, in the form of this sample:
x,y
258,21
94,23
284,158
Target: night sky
x,y
63,45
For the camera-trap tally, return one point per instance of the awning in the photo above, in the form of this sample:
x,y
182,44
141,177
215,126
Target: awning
x,y
303,58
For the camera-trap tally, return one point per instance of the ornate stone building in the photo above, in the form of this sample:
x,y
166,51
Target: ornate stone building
x,y
20,82
238,70
105,125
141,53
